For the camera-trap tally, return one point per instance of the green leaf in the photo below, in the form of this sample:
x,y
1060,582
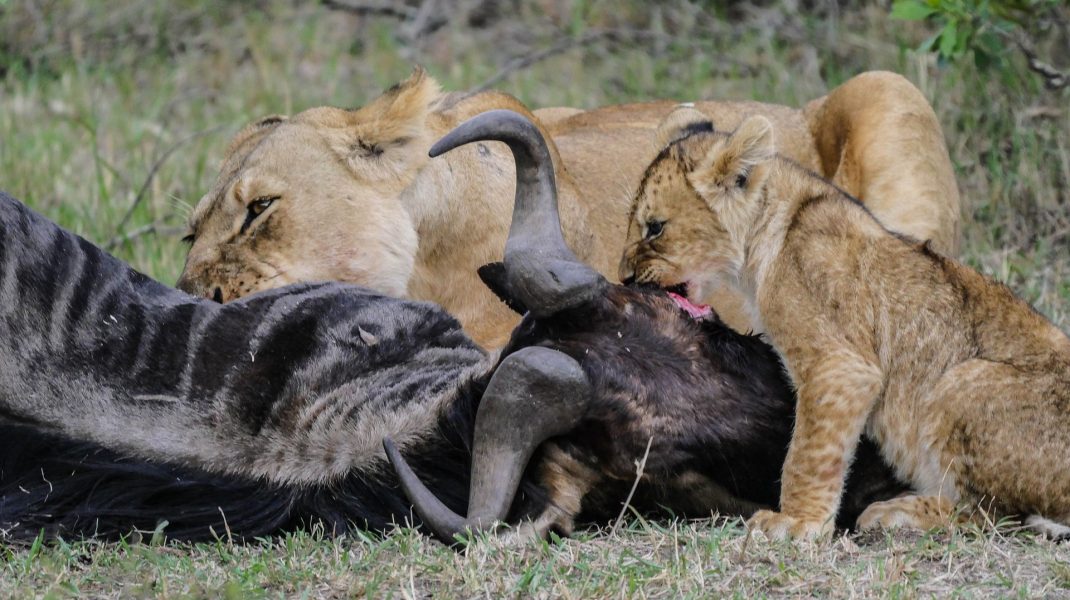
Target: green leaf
x,y
984,60
962,41
990,43
948,37
911,10
930,43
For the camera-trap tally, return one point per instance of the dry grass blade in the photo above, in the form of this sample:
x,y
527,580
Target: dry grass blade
x,y
640,466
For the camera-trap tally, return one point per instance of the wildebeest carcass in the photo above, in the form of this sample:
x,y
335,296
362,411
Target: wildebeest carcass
x,y
125,403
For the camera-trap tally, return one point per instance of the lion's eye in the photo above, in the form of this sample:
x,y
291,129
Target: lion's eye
x,y
654,228
188,239
741,180
255,209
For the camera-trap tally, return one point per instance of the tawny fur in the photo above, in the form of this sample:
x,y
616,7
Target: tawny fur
x,y
965,388
359,201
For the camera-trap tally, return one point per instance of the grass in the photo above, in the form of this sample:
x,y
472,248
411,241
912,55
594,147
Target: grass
x,y
700,559
113,122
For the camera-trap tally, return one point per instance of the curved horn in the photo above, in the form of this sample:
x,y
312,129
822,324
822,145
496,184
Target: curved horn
x,y
542,271
535,394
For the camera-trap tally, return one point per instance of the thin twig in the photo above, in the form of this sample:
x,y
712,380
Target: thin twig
x,y
1054,79
425,20
523,62
639,467
153,228
385,9
143,191
615,35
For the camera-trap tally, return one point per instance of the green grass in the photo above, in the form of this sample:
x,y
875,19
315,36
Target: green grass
x,y
95,98
701,559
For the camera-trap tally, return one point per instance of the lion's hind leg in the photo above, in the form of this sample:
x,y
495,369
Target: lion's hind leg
x,y
912,512
1008,440
923,513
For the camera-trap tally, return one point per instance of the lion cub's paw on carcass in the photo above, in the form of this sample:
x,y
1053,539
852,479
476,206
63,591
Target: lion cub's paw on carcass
x,y
912,512
780,526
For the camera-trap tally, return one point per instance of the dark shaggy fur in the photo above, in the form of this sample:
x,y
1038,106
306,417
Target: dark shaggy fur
x,y
716,403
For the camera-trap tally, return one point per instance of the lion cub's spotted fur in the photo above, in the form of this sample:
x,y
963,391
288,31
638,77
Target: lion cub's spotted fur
x,y
965,388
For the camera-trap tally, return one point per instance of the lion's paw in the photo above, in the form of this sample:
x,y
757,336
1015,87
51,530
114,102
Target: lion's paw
x,y
779,526
886,517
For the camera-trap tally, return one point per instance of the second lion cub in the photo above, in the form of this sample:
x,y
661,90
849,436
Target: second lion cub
x,y
965,388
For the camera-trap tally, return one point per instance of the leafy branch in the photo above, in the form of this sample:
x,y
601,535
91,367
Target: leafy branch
x,y
984,28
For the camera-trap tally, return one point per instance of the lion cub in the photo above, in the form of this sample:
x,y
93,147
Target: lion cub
x,y
963,386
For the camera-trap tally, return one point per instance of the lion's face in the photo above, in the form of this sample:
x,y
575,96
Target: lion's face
x,y
315,197
674,239
696,202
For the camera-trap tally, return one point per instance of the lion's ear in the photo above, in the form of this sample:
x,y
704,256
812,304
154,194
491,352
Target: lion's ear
x,y
683,121
493,276
739,162
400,112
385,136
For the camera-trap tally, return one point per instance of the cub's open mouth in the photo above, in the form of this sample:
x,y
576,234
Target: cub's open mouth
x,y
679,289
678,293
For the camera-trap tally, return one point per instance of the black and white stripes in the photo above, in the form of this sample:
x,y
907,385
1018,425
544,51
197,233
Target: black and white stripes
x,y
286,390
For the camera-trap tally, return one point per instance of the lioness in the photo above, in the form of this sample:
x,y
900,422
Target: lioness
x,y
351,195
963,386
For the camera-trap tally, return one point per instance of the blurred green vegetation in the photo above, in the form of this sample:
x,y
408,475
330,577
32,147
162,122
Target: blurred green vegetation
x,y
113,116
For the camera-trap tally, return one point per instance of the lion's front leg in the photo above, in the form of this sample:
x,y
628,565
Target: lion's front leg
x,y
836,396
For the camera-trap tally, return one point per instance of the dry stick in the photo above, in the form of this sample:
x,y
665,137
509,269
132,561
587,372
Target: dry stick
x,y
143,191
417,22
386,9
157,228
523,62
424,21
639,467
590,37
1054,79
